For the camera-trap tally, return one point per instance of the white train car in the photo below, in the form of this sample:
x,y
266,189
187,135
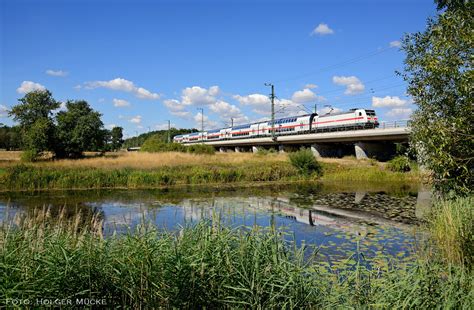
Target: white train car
x,y
352,119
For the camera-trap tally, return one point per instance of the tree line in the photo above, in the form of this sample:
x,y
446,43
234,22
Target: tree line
x,y
67,133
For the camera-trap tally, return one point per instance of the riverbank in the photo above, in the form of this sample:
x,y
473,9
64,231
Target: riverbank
x,y
210,265
145,170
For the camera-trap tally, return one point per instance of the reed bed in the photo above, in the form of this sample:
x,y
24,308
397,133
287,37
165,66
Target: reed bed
x,y
207,265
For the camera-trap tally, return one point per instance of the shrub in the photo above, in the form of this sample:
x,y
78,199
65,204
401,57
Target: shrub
x,y
155,144
29,156
399,164
305,162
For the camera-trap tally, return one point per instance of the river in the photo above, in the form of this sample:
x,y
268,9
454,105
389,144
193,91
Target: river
x,y
337,221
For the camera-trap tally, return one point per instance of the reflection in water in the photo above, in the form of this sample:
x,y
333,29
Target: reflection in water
x,y
338,223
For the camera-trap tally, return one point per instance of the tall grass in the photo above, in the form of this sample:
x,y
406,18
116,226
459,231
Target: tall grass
x,y
30,177
452,228
207,265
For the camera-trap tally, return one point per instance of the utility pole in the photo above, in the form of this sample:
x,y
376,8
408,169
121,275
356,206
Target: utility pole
x,y
231,122
272,98
169,131
202,119
315,108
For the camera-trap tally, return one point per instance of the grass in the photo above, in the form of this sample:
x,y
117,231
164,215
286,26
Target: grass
x,y
452,229
47,255
148,170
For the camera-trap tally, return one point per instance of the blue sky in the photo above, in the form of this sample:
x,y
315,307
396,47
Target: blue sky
x,y
141,63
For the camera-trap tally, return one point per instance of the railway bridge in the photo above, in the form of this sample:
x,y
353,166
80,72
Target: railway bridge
x,y
377,143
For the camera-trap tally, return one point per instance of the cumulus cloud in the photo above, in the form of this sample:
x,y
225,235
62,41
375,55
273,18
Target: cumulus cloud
x,y
353,84
261,104
110,126
253,100
201,119
311,86
136,119
29,86
226,111
3,111
400,112
327,110
395,44
322,29
199,96
59,73
388,101
123,85
120,103
306,95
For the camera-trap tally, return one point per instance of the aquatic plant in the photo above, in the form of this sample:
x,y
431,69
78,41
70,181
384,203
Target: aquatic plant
x,y
45,255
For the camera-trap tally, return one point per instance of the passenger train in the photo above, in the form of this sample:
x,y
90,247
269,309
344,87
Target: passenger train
x,y
309,123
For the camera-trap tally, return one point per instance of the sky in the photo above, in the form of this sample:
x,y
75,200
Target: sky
x,y
141,63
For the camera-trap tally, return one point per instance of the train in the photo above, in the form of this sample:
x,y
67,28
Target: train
x,y
302,124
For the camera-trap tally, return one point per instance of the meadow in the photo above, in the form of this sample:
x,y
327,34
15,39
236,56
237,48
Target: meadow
x,y
146,170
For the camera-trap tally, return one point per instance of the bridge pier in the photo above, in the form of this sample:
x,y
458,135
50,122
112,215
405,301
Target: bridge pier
x,y
222,149
380,150
281,149
238,149
254,149
324,150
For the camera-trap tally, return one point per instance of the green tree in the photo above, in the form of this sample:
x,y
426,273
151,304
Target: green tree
x,y
34,113
438,69
79,128
116,138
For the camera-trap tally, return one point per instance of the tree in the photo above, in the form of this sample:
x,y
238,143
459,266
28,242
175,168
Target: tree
x,y
116,138
438,69
79,128
34,113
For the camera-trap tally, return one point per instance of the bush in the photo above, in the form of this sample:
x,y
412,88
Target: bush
x,y
155,144
399,164
29,156
305,162
200,149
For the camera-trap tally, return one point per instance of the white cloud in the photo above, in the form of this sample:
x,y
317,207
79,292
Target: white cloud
x,y
101,100
110,126
395,44
199,96
77,87
400,112
59,73
306,95
227,111
208,124
322,29
120,103
123,85
311,86
29,86
388,101
353,84
136,119
3,110
253,100
164,126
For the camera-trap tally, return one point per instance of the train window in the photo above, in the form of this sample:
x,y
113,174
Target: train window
x,y
360,113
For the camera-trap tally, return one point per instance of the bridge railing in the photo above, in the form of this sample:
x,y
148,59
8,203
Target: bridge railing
x,y
394,124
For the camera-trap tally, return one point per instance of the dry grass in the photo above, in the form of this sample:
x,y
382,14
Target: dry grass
x,y
10,155
137,160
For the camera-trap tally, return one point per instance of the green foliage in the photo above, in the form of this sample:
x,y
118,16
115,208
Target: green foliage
x,y
200,149
155,144
305,162
10,138
29,156
162,136
452,228
34,113
399,164
79,128
208,265
29,177
116,138
438,69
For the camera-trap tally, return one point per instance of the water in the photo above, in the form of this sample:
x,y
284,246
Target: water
x,y
338,221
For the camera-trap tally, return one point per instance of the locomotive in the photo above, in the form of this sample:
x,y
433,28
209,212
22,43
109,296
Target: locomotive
x,y
302,124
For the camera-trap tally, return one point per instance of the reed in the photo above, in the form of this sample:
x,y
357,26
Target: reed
x,y
206,265
452,228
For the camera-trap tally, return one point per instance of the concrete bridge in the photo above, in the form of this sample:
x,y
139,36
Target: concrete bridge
x,y
377,143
